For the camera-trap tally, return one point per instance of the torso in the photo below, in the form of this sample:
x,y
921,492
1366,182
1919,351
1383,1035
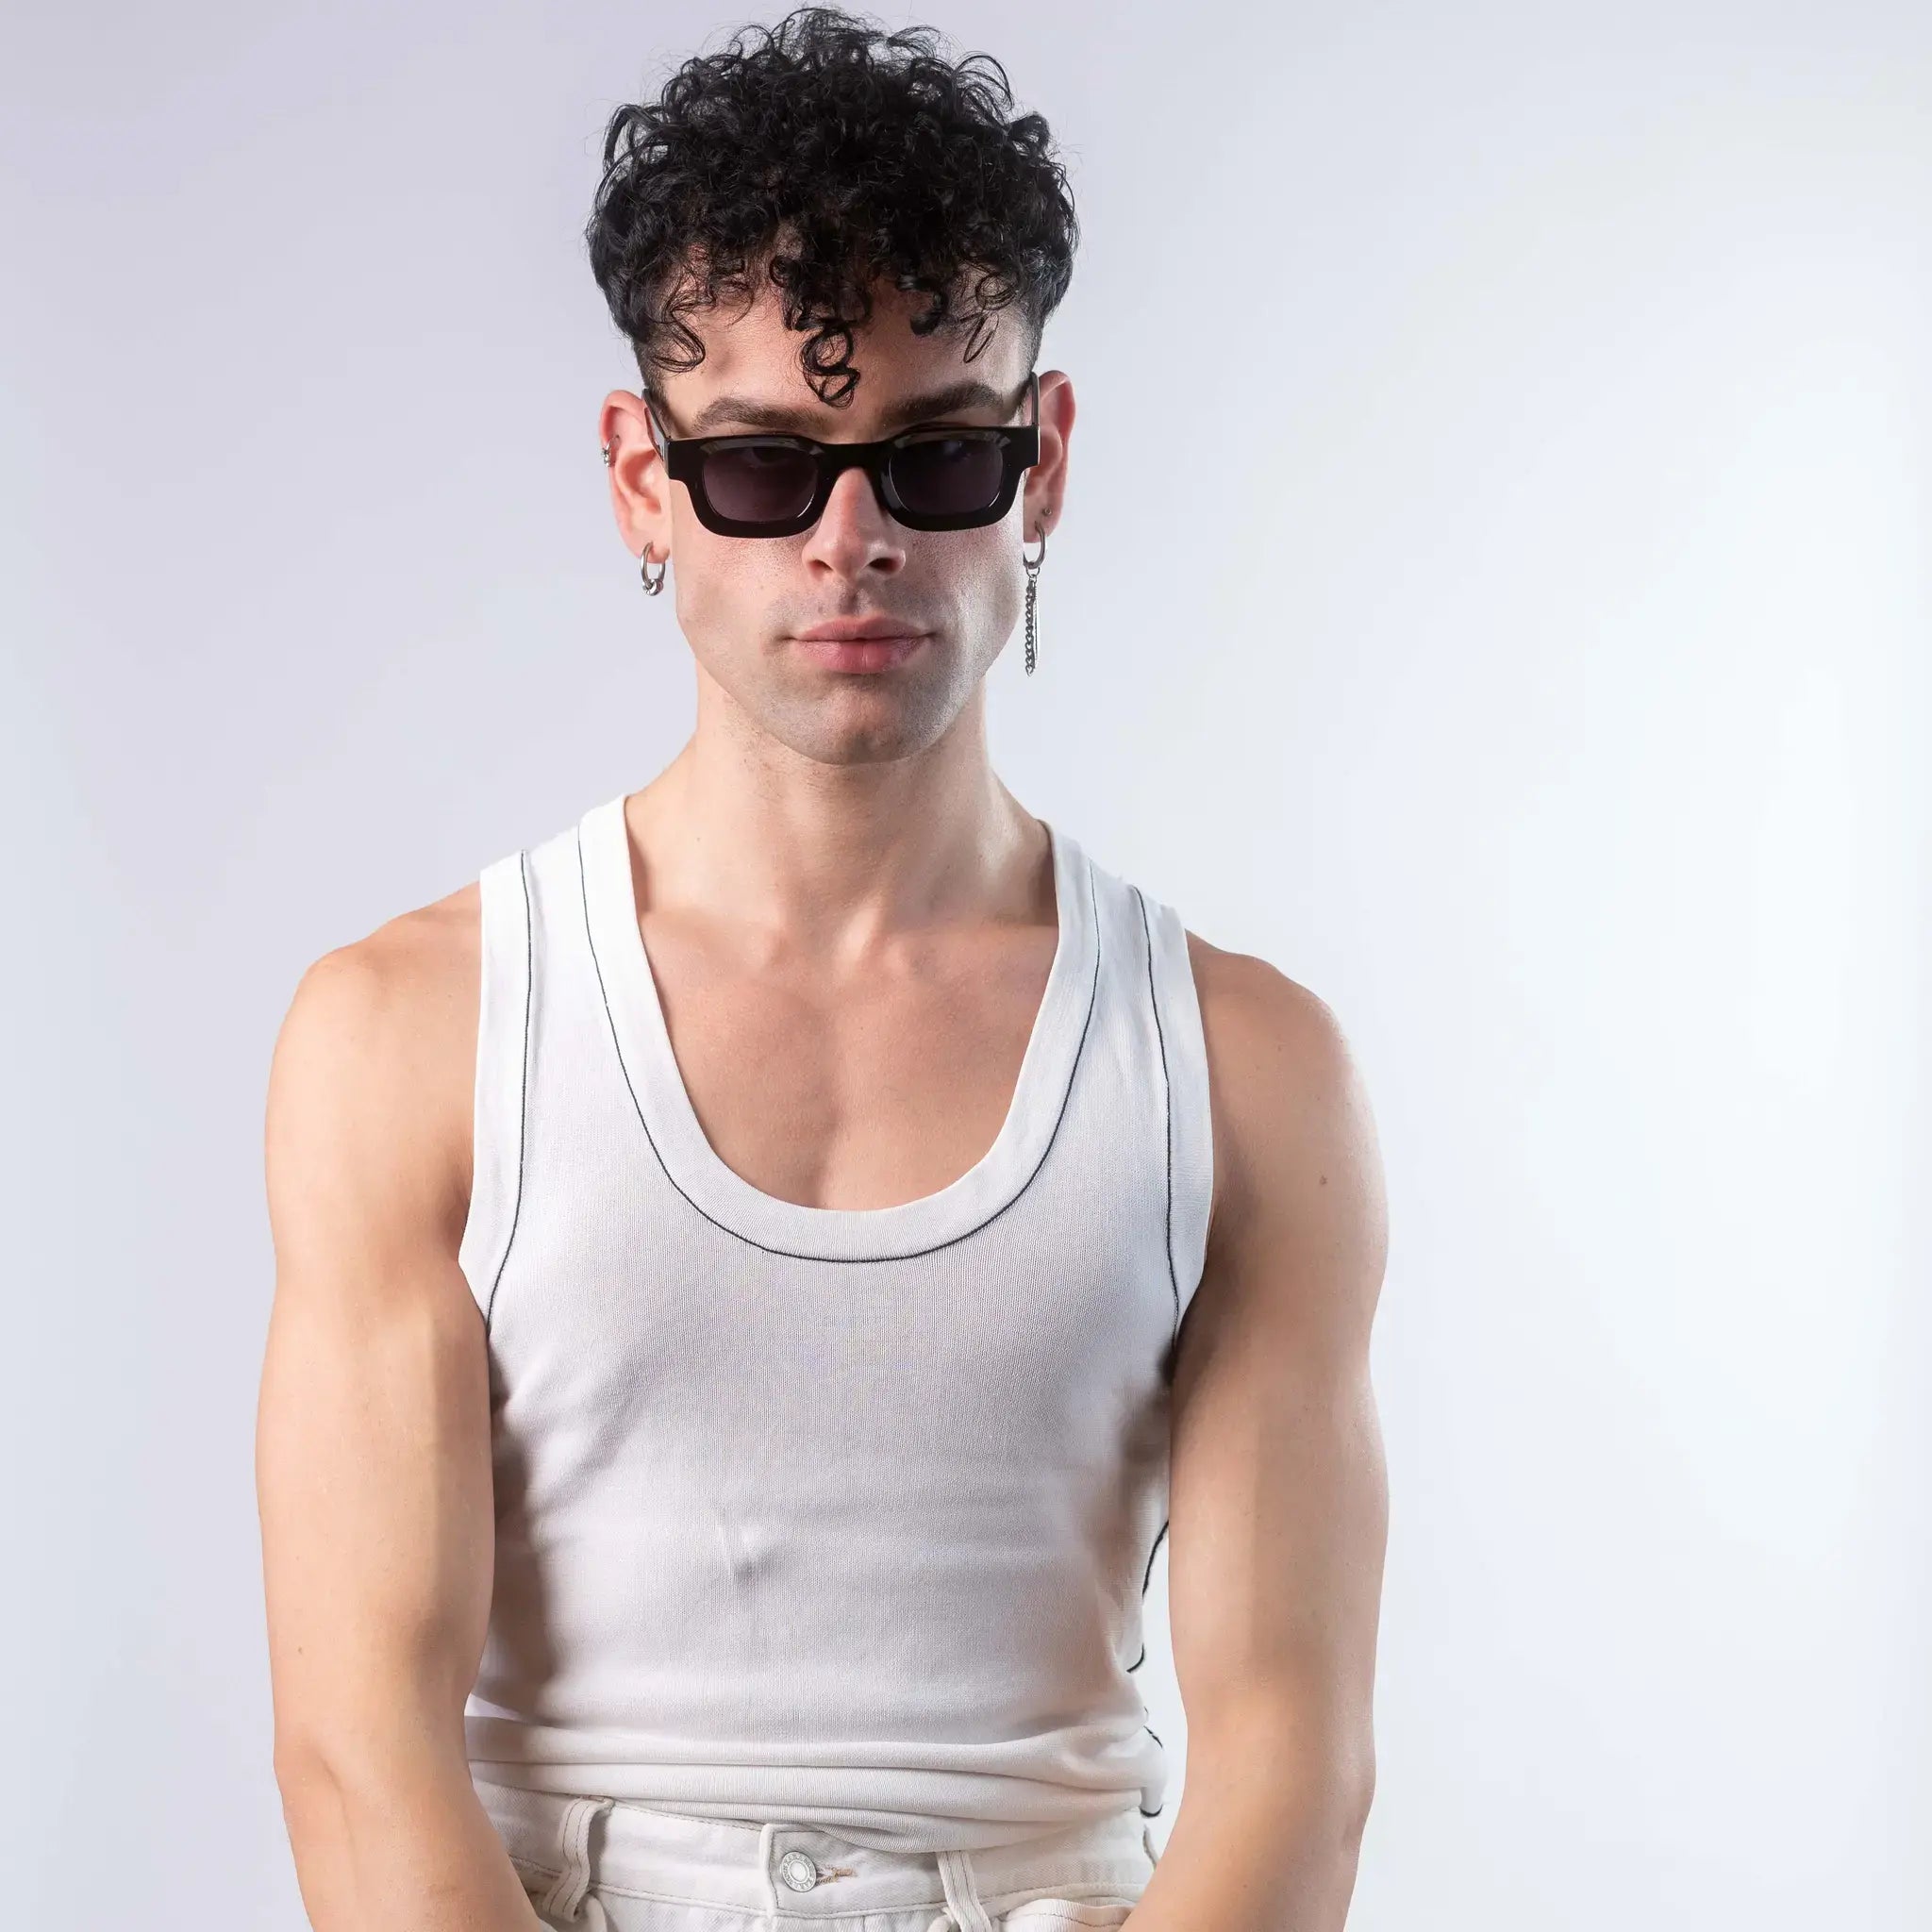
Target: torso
x,y
849,1276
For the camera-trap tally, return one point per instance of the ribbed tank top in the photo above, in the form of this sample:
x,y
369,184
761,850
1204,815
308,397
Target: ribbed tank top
x,y
825,1515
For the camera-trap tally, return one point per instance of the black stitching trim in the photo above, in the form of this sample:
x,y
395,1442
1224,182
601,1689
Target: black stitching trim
x,y
793,1254
1147,1574
1167,1109
524,1095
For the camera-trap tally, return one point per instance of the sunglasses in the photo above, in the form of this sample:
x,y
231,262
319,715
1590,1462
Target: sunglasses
x,y
930,477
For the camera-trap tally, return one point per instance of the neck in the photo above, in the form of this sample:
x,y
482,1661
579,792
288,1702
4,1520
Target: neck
x,y
833,858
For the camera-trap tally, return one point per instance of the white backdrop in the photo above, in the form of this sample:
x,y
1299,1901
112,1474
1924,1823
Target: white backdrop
x,y
1494,588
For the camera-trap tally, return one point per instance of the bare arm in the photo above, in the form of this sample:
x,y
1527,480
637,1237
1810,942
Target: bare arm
x,y
373,1466
1278,1505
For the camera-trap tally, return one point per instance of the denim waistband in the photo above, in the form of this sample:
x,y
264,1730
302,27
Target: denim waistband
x,y
791,1870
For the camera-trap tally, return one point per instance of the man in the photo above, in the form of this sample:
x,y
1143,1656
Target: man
x,y
762,1269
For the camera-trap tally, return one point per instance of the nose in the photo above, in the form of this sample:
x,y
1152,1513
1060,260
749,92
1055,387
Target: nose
x,y
855,532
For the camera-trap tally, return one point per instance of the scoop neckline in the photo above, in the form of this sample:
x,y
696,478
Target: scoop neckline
x,y
642,1040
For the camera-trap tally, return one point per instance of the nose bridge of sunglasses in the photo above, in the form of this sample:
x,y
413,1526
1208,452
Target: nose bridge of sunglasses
x,y
860,467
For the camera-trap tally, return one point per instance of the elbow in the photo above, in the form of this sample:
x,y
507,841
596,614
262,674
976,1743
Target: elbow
x,y
303,1771
351,1766
312,1814
1324,1775
1358,1799
319,1795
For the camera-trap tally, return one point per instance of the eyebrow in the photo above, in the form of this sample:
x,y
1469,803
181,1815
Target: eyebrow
x,y
755,414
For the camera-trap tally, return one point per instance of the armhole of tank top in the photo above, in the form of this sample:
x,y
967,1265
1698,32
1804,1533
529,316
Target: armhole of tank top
x,y
503,1032
1189,1120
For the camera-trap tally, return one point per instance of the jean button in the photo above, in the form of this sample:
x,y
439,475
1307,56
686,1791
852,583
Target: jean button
x,y
798,1870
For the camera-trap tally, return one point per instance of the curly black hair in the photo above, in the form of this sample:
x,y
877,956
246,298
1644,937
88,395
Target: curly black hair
x,y
826,156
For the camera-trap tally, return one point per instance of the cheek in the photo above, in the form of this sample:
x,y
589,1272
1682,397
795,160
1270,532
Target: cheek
x,y
974,578
731,596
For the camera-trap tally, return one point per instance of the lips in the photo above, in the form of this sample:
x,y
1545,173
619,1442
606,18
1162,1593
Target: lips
x,y
872,650
848,630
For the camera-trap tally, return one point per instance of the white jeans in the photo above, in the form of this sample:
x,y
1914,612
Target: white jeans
x,y
601,1865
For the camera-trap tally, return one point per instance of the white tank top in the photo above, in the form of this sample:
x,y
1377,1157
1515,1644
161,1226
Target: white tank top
x,y
825,1515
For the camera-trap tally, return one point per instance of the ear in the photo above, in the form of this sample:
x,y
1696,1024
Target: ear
x,y
1046,481
639,489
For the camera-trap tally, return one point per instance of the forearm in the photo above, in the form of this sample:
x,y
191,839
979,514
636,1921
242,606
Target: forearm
x,y
1263,1845
390,1836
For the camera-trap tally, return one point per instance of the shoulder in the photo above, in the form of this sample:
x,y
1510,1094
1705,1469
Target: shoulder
x,y
1290,1111
1250,997
390,999
371,1082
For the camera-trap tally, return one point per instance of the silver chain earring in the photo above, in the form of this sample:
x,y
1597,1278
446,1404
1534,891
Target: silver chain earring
x,y
1032,565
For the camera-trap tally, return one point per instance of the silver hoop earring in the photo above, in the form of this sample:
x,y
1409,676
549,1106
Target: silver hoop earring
x,y
1032,565
652,584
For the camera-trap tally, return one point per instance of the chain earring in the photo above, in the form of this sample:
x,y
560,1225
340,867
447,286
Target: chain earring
x,y
1032,565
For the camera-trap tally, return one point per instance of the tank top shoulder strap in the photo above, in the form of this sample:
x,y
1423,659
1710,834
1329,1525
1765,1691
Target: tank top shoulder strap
x,y
503,1038
1181,1046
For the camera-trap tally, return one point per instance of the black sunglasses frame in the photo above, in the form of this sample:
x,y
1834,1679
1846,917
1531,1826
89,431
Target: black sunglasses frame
x,y
1019,446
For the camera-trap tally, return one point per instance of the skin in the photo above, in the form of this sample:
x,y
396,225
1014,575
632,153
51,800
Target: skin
x,y
851,920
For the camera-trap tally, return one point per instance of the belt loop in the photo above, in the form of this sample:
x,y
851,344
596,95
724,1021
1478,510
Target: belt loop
x,y
962,1892
1148,1840
767,1831
567,1892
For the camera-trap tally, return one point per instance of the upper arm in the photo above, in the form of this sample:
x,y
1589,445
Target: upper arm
x,y
373,1466
1278,1494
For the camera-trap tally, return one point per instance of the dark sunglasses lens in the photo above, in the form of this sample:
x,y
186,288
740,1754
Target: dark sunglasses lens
x,y
759,483
948,475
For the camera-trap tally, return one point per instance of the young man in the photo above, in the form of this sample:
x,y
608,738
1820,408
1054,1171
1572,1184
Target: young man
x,y
762,1269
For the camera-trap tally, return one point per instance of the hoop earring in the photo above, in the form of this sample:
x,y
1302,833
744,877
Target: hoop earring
x,y
1032,566
652,584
